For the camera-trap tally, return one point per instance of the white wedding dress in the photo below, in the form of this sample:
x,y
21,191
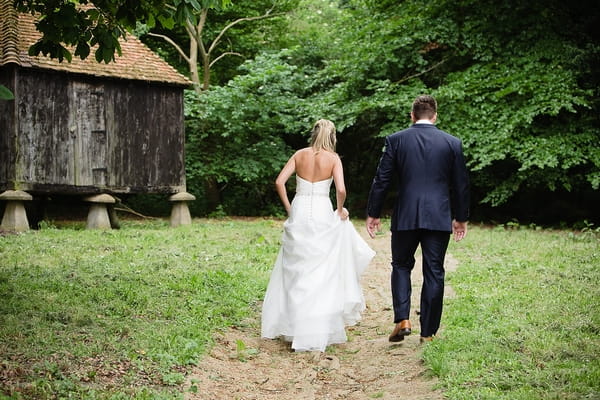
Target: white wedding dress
x,y
314,290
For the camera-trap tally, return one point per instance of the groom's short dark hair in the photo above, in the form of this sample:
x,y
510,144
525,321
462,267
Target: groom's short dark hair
x,y
424,107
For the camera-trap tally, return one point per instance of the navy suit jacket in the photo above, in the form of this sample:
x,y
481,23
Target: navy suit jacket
x,y
433,182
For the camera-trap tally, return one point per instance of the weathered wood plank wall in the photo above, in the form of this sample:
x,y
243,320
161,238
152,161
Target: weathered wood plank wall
x,y
155,153
84,135
43,146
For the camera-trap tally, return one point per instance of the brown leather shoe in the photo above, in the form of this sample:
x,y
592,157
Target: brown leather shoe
x,y
401,329
425,339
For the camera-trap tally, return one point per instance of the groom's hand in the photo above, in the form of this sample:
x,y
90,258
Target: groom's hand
x,y
459,229
373,226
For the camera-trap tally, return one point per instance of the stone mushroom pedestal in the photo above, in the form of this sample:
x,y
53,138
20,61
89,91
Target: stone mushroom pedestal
x,y
98,214
180,213
15,217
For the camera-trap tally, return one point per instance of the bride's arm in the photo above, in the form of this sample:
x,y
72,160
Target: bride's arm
x,y
340,188
287,171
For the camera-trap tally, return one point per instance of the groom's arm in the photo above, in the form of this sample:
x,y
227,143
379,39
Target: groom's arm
x,y
379,188
381,181
460,186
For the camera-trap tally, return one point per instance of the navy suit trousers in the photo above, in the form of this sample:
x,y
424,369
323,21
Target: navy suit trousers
x,y
433,248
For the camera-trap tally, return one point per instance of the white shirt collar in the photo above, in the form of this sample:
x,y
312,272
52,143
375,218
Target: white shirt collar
x,y
424,121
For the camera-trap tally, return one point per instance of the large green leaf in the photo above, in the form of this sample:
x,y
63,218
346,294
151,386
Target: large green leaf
x,y
5,93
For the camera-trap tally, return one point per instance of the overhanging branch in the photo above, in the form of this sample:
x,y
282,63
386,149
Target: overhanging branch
x,y
227,53
237,21
172,43
409,77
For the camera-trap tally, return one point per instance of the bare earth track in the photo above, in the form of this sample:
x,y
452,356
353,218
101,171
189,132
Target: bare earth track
x,y
243,366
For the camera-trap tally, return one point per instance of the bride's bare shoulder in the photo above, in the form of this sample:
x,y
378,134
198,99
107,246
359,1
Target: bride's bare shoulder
x,y
331,154
309,154
302,153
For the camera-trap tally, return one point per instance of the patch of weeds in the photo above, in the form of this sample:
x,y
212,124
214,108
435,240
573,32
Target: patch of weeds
x,y
587,233
243,353
173,378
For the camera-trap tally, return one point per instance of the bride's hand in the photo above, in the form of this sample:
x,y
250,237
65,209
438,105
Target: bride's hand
x,y
343,213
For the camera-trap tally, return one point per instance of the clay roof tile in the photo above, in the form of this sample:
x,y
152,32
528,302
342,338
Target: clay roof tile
x,y
138,62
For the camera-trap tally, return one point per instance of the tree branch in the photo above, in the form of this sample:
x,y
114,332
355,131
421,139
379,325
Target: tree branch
x,y
196,31
172,43
406,78
237,21
227,53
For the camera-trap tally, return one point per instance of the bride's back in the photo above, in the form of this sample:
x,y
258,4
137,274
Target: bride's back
x,y
315,166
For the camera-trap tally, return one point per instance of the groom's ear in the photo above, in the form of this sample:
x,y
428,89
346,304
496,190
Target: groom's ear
x,y
412,117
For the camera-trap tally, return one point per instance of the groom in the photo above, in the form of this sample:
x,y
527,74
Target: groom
x,y
432,200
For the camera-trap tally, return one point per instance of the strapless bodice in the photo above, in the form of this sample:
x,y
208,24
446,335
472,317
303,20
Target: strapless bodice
x,y
307,188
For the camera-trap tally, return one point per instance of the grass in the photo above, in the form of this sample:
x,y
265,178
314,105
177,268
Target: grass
x,y
526,320
124,314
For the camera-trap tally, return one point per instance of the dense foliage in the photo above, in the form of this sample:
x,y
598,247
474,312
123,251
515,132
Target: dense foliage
x,y
236,136
517,81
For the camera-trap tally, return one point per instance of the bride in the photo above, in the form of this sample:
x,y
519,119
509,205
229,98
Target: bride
x,y
314,291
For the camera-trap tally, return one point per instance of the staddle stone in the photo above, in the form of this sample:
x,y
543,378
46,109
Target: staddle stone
x,y
98,215
180,213
101,198
15,217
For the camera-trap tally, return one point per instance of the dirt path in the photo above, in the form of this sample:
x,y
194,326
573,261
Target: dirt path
x,y
366,367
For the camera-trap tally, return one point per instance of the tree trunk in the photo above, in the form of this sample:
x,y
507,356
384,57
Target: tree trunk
x,y
193,64
206,72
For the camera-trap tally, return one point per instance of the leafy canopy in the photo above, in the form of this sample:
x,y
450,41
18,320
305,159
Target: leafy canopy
x,y
84,24
517,82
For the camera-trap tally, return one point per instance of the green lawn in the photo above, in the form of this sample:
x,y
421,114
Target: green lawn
x,y
526,320
125,313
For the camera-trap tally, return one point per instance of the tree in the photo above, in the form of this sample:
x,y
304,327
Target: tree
x,y
517,81
521,91
87,23
84,24
240,134
236,134
201,50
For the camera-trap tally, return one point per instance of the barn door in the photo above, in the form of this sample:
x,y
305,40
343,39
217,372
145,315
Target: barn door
x,y
88,132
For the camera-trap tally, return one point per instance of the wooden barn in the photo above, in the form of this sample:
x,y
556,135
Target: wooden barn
x,y
85,128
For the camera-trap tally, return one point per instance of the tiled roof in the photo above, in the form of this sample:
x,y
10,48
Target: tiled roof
x,y
138,62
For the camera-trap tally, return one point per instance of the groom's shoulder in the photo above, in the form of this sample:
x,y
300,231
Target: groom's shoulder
x,y
400,133
450,137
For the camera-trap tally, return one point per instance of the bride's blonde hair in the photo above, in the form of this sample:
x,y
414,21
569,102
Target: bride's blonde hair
x,y
323,136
